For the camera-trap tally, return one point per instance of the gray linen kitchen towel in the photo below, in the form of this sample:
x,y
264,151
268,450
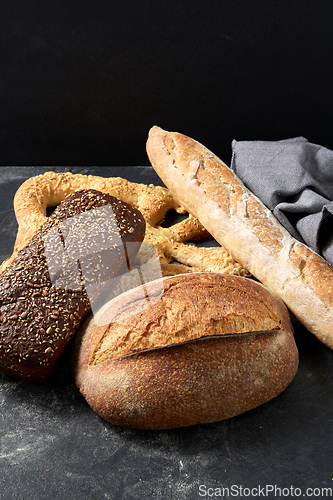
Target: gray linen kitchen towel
x,y
294,179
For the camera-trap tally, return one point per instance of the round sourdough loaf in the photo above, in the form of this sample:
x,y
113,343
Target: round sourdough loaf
x,y
185,350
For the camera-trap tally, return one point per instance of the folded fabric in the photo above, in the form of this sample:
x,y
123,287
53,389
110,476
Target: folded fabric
x,y
294,179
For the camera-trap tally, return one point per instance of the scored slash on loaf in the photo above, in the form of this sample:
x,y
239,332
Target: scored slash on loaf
x,y
239,221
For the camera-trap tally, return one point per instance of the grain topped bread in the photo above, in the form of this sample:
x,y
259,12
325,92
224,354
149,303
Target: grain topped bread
x,y
183,350
43,292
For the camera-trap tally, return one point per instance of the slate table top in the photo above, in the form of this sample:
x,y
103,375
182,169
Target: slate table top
x,y
52,445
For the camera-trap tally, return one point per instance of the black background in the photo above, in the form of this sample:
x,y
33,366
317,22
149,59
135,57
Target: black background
x,y
82,82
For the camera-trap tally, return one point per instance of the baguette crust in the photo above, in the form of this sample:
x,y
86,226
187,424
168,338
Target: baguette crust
x,y
210,347
240,222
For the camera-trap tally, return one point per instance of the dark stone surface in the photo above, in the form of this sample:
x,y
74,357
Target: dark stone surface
x,y
52,445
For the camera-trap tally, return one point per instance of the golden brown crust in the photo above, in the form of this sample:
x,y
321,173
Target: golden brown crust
x,y
315,271
192,356
199,382
200,169
239,221
49,189
184,308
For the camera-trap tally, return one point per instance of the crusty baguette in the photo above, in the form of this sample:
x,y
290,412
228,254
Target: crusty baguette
x,y
43,292
203,347
239,221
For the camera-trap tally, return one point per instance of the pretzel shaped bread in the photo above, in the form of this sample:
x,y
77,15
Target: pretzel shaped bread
x,y
38,193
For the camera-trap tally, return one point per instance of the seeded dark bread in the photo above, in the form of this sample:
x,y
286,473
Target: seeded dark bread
x,y
39,312
205,347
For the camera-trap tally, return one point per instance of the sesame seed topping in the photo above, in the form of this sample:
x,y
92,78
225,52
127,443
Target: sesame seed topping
x,y
65,306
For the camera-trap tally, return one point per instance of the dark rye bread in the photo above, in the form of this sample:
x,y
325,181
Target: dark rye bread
x,y
43,292
205,347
